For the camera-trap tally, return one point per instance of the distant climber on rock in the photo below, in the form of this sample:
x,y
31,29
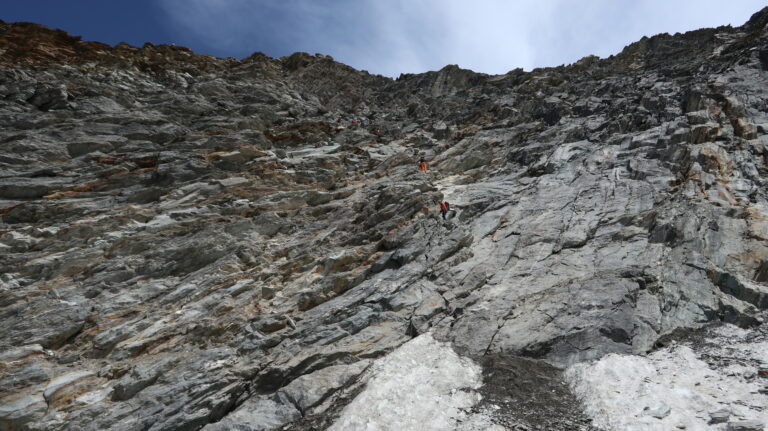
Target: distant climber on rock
x,y
423,164
444,207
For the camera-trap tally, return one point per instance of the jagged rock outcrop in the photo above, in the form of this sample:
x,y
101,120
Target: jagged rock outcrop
x,y
191,242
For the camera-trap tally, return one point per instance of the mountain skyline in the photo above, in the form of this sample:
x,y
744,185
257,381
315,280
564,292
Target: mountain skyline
x,y
491,36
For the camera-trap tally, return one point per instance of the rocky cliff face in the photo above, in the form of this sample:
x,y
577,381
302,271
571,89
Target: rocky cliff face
x,y
192,242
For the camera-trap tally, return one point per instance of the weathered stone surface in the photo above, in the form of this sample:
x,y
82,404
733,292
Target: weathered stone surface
x,y
139,378
21,409
309,390
719,416
258,414
47,98
746,426
205,245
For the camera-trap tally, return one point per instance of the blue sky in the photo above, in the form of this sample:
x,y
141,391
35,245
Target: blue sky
x,y
388,36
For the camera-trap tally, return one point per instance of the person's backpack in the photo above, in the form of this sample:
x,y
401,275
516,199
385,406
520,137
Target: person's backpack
x,y
447,206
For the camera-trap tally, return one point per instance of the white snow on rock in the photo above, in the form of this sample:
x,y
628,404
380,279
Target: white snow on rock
x,y
423,385
626,392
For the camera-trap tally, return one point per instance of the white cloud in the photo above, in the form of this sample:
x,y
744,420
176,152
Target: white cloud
x,y
492,36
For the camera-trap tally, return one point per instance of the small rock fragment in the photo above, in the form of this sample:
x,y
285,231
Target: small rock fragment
x,y
268,292
659,412
719,416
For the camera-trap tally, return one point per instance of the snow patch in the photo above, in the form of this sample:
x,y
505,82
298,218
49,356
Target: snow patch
x,y
161,220
422,385
626,392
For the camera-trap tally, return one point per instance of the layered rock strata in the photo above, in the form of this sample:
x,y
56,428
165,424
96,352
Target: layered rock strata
x,y
193,242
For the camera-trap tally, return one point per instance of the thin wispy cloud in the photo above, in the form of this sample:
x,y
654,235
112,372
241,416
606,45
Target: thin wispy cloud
x,y
408,36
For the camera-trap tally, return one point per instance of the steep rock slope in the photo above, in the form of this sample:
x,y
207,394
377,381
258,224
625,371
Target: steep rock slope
x,y
194,242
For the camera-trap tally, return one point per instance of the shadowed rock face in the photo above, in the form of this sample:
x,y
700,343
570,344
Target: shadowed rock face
x,y
190,242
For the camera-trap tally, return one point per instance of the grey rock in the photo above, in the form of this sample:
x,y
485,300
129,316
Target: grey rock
x,y
659,411
47,322
746,426
23,375
204,232
310,390
233,181
719,416
21,352
257,414
18,410
268,292
77,149
29,188
47,98
139,378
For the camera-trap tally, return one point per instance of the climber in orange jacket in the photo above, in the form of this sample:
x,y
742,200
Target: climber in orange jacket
x,y
423,164
444,207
